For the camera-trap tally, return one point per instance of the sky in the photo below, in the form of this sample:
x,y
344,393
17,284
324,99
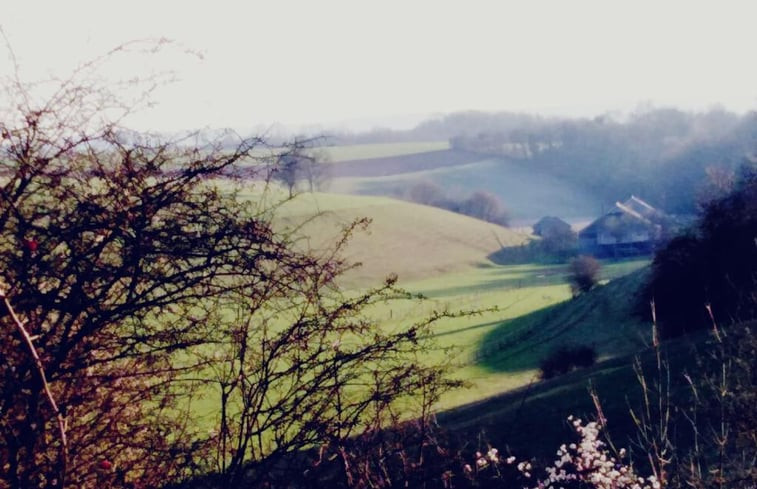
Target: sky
x,y
339,63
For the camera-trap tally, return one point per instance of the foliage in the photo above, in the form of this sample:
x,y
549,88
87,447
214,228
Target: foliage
x,y
586,462
557,247
666,152
299,162
558,238
567,358
583,273
696,426
481,204
485,206
713,267
427,193
137,279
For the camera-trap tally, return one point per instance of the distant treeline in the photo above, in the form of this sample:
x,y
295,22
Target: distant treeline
x,y
480,204
672,158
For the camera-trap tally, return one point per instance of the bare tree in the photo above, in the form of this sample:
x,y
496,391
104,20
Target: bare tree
x,y
485,206
427,193
300,162
127,261
583,274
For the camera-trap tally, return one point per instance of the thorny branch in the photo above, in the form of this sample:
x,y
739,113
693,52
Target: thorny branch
x,y
46,386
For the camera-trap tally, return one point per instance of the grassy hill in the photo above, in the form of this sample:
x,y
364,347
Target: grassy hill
x,y
400,164
413,241
443,255
603,318
351,152
527,194
531,420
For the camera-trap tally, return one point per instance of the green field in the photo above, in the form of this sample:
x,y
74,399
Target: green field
x,y
501,350
413,241
528,195
443,256
367,151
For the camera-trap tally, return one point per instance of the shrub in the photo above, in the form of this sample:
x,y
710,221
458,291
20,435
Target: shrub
x,y
583,273
567,358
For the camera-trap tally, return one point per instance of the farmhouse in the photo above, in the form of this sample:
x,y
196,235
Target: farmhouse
x,y
629,228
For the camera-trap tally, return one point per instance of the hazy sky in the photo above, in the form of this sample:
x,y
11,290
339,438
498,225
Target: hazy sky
x,y
309,62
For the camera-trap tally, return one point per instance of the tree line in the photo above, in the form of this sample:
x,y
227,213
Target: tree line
x,y
666,155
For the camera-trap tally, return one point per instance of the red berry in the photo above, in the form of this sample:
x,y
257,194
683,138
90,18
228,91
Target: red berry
x,y
31,244
105,464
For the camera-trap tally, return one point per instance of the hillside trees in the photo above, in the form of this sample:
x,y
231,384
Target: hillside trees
x,y
427,192
665,152
713,269
298,163
136,278
485,206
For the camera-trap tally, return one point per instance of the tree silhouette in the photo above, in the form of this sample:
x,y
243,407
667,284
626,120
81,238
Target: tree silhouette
x,y
136,277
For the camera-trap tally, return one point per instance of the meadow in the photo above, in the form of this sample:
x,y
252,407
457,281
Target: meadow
x,y
443,256
340,153
528,195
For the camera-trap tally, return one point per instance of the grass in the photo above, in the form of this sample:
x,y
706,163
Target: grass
x,y
367,151
413,241
603,319
511,421
527,194
497,351
443,256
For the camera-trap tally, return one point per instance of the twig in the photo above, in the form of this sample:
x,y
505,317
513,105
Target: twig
x,y
45,385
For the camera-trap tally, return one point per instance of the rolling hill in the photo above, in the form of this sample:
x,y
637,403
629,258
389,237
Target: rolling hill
x,y
355,152
411,240
443,255
527,193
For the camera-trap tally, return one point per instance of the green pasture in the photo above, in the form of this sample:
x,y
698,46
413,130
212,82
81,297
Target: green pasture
x,y
443,256
524,297
379,150
414,242
501,350
510,420
527,194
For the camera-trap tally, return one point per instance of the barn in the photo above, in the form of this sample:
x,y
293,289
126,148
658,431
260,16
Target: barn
x,y
630,228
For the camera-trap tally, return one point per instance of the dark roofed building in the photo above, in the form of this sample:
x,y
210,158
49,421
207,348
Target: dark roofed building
x,y
630,228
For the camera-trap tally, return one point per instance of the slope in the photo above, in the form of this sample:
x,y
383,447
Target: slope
x,y
528,194
604,319
411,240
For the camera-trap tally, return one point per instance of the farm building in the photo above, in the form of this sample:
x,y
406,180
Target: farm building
x,y
629,228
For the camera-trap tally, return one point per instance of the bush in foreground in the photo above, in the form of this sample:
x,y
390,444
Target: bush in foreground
x,y
137,276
